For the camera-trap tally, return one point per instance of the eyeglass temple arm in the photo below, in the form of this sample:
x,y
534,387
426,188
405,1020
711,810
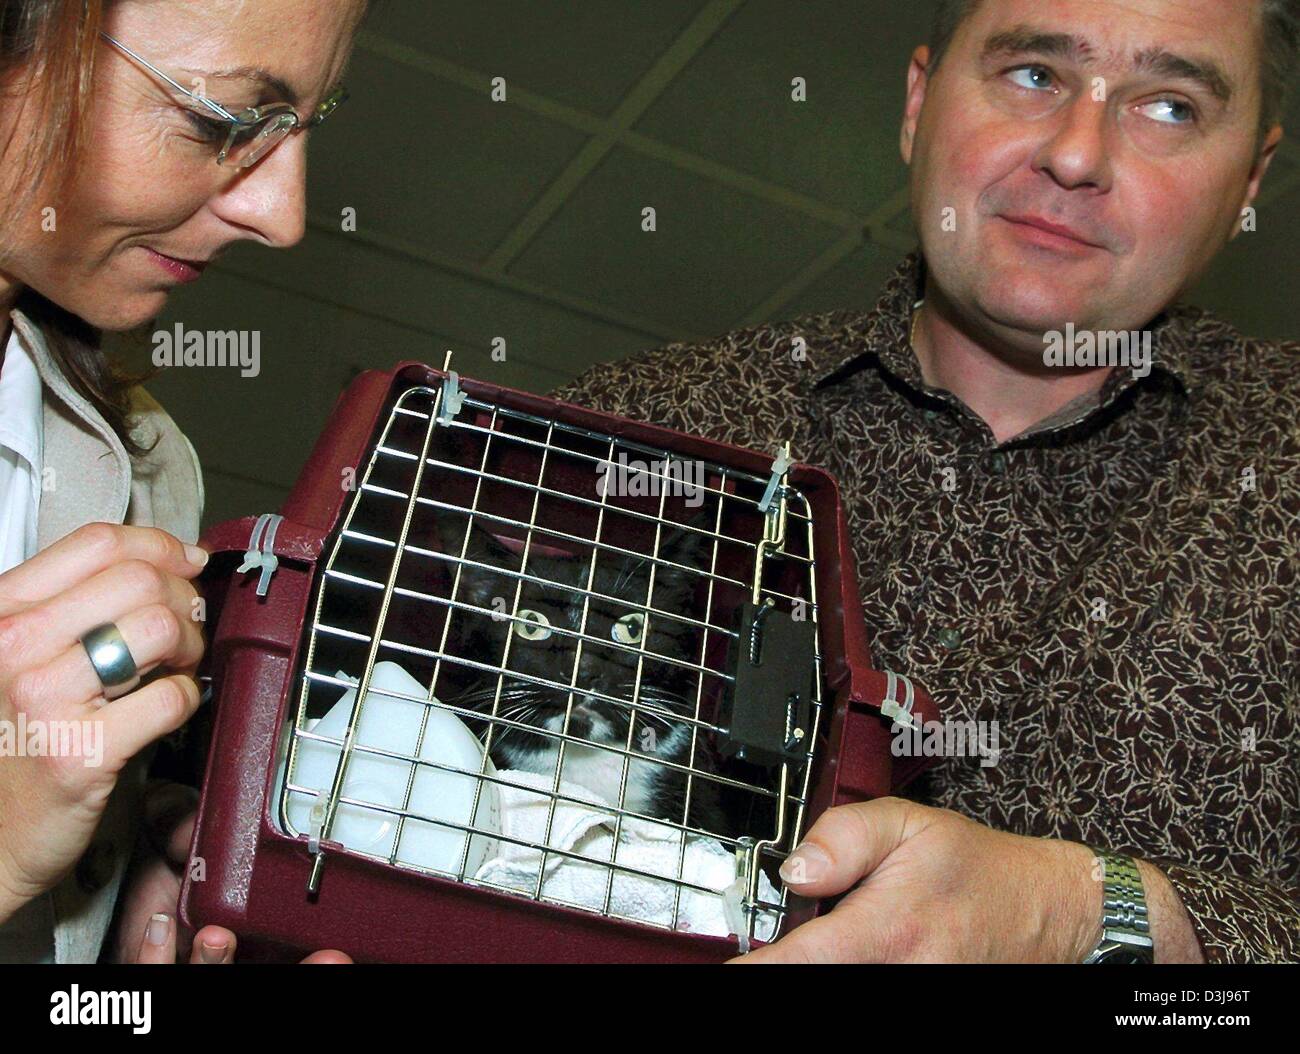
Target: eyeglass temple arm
x,y
336,99
214,107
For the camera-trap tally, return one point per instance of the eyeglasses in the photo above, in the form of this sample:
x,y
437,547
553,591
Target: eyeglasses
x,y
252,133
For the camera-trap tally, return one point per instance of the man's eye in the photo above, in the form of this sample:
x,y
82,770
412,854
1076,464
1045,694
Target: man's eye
x,y
1034,78
1170,111
533,625
629,629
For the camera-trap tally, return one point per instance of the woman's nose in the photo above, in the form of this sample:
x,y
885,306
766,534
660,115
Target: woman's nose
x,y
269,200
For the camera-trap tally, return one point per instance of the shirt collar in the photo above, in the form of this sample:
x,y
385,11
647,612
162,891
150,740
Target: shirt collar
x,y
883,335
75,439
20,401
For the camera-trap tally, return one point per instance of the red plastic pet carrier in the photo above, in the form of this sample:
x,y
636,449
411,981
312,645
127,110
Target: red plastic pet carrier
x,y
507,679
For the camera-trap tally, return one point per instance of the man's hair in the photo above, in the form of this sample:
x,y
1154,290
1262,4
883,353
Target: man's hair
x,y
1281,29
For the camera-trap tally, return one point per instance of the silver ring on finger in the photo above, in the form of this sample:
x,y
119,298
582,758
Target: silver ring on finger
x,y
112,660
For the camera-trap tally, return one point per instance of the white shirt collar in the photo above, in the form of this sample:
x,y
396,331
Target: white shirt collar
x,y
20,402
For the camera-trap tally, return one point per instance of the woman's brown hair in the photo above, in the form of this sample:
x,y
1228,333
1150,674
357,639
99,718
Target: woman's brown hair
x,y
47,65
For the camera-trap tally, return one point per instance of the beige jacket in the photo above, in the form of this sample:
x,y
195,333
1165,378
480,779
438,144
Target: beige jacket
x,y
96,481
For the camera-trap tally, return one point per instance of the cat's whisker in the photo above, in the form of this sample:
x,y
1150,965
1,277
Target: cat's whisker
x,y
661,703
488,694
626,576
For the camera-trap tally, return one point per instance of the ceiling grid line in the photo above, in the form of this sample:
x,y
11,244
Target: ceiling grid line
x,y
408,250
590,124
638,99
874,231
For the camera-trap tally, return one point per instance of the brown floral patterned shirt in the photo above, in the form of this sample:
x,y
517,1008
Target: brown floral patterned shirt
x,y
1116,587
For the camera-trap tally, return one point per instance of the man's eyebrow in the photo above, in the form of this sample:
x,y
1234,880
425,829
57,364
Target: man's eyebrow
x,y
1021,40
1205,72
278,87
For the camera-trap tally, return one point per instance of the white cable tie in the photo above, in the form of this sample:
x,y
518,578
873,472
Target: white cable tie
x,y
736,896
453,398
253,555
315,824
260,554
269,560
900,711
779,468
733,911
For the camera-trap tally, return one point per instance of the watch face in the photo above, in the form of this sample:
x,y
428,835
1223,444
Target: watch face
x,y
1123,953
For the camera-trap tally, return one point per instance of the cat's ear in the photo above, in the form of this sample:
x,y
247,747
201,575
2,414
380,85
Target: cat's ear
x,y
689,548
481,546
478,585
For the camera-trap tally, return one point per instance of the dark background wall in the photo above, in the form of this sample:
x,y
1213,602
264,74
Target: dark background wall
x,y
521,219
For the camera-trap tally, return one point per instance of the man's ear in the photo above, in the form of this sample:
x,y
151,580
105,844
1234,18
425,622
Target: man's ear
x,y
1265,158
917,83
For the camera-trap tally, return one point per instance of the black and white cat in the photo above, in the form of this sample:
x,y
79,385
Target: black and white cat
x,y
666,695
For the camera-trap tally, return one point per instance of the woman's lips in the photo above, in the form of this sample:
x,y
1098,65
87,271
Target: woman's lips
x,y
181,270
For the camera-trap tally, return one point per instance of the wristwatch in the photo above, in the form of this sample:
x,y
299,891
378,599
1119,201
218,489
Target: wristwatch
x,y
1125,929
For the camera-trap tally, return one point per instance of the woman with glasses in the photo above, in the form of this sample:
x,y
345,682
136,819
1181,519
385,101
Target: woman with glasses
x,y
139,139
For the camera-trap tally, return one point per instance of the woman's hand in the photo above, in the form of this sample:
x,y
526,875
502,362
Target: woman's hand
x,y
146,930
212,945
153,884
70,746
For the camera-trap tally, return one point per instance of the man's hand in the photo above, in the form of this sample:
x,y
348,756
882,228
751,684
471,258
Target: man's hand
x,y
933,886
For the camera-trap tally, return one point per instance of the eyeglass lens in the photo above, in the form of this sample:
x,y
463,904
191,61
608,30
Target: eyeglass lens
x,y
250,143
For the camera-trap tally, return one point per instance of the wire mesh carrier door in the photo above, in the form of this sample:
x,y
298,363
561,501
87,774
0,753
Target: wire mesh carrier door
x,y
507,679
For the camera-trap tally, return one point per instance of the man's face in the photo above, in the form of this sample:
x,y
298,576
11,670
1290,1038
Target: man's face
x,y
1129,124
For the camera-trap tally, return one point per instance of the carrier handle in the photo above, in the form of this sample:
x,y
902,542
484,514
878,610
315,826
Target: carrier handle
x,y
289,540
880,703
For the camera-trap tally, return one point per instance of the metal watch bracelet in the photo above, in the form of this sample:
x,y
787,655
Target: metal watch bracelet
x,y
1125,928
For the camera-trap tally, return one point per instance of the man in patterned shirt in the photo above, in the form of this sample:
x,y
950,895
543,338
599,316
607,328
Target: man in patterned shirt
x,y
1098,555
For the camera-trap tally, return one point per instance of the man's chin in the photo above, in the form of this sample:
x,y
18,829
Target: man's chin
x,y
1032,307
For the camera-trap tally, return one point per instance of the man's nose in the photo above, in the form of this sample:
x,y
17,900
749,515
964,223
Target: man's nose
x,y
269,200
1077,154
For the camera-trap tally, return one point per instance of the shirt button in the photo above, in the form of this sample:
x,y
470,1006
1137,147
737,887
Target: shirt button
x,y
96,866
998,463
950,638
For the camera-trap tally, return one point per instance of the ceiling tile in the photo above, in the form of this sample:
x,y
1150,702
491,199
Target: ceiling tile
x,y
733,103
431,161
434,306
855,284
587,55
714,255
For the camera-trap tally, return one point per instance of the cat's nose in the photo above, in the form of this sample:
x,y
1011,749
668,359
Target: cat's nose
x,y
590,675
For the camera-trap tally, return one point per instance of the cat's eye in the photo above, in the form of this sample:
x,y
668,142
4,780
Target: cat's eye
x,y
534,625
629,629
